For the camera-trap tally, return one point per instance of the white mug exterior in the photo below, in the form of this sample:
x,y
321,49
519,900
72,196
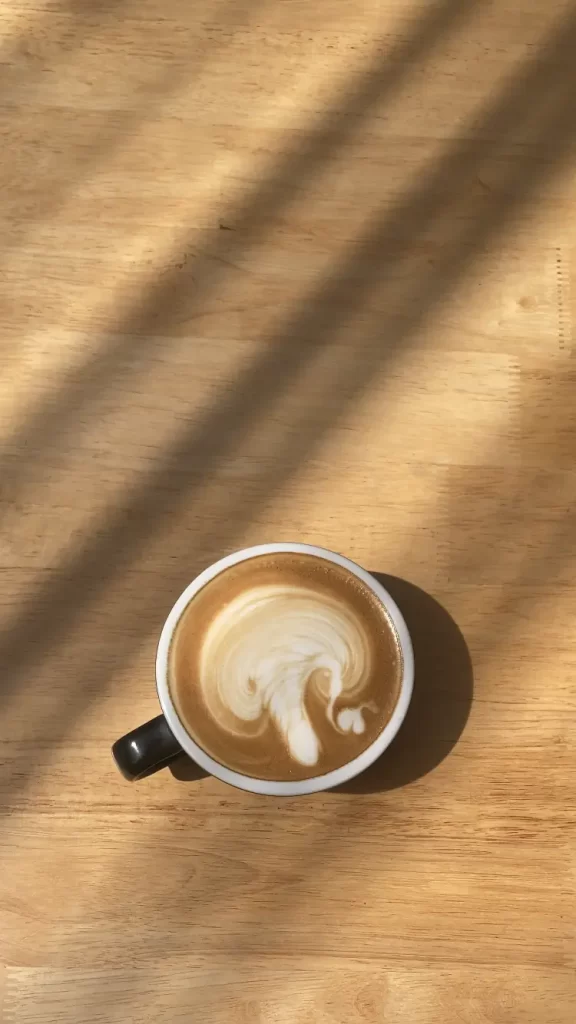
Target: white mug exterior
x,y
318,782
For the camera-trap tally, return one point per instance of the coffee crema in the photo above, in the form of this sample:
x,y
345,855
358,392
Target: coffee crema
x,y
284,667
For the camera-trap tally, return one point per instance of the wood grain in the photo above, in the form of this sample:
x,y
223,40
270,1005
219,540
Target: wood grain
x,y
276,271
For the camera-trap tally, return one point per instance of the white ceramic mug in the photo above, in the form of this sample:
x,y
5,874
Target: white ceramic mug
x,y
156,743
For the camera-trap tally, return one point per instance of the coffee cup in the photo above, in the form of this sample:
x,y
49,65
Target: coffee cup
x,y
282,669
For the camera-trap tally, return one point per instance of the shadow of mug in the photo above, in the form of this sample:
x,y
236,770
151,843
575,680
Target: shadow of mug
x,y
442,698
186,770
440,703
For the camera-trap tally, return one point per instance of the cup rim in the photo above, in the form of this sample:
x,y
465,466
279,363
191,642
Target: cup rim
x,y
316,783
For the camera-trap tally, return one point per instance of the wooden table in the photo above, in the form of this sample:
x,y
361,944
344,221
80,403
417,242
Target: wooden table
x,y
289,271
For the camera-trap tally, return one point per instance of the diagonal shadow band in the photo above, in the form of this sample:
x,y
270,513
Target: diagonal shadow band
x,y
113,359
548,127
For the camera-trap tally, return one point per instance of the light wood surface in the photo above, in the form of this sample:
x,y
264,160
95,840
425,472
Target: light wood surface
x,y
283,270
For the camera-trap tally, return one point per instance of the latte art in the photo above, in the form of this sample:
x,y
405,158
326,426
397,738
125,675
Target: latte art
x,y
284,666
272,648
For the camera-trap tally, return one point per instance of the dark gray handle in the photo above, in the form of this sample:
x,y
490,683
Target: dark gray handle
x,y
146,749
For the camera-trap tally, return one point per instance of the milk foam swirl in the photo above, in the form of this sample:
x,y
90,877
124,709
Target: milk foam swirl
x,y
267,647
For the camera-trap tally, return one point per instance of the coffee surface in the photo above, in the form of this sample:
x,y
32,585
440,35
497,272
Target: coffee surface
x,y
284,667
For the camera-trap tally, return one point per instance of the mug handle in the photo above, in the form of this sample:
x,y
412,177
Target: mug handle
x,y
146,749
